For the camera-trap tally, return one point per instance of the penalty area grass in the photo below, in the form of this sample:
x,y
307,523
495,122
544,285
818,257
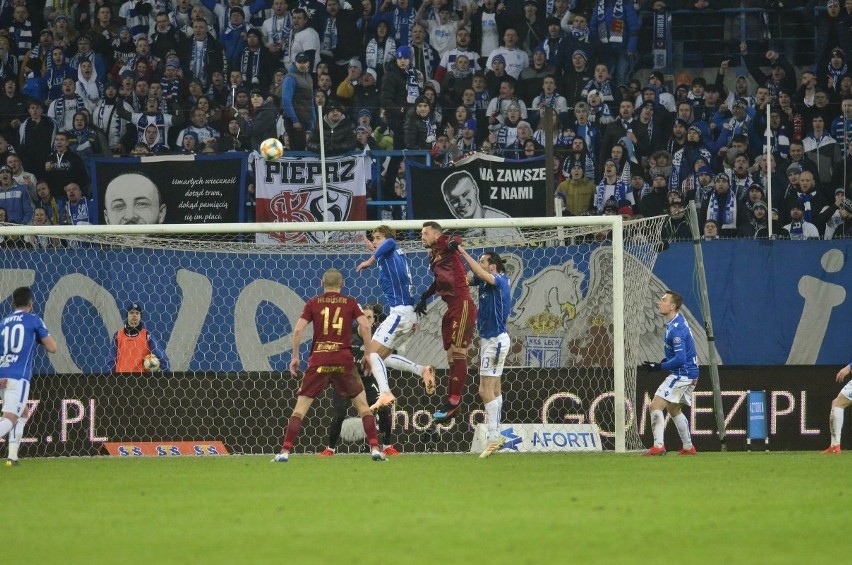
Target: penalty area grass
x,y
785,507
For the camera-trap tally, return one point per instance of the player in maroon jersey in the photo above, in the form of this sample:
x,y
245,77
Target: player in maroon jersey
x,y
457,325
331,360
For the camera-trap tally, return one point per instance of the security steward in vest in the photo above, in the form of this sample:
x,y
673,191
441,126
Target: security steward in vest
x,y
133,342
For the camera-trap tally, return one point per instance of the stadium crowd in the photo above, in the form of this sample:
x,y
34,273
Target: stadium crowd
x,y
104,77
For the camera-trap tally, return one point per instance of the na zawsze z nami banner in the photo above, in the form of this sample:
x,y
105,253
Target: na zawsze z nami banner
x,y
174,189
479,187
290,190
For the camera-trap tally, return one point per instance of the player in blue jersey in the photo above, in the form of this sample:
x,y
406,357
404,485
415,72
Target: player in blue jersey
x,y
20,333
681,362
838,406
401,321
495,305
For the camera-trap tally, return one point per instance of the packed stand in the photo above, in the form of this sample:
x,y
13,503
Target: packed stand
x,y
155,77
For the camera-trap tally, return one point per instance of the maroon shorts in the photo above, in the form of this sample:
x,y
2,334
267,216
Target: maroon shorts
x,y
458,322
344,378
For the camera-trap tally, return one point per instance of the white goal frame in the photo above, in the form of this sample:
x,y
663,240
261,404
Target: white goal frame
x,y
615,223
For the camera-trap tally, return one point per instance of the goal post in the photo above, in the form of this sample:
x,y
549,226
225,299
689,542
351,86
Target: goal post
x,y
222,300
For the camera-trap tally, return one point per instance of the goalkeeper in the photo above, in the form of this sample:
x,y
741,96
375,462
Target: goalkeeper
x,y
133,342
681,362
341,403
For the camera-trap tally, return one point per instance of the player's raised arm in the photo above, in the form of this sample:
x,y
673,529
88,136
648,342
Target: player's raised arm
x,y
476,268
297,340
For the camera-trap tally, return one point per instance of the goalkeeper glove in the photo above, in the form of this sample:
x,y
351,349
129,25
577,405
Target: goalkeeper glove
x,y
650,366
454,243
420,309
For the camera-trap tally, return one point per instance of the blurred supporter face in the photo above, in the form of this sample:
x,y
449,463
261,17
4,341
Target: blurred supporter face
x,y
784,99
578,145
20,14
3,215
818,123
418,34
610,170
577,173
676,208
797,151
684,112
762,95
846,108
616,153
199,29
755,194
462,63
833,9
513,114
775,119
469,97
462,38
68,86
461,114
711,230
278,6
741,165
692,136
679,131
57,56
507,92
595,99
142,87
189,143
199,117
796,214
60,142
10,87
142,46
14,163
793,177
578,61
625,110
39,217
580,22
381,29
242,99
806,181
759,213
549,85
105,16
510,38
324,82
86,69
601,73
820,99
422,109
524,132
151,134
722,186
43,191
319,98
80,121
73,193
659,183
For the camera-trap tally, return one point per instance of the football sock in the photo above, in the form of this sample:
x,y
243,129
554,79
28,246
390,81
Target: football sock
x,y
458,376
369,422
658,426
835,420
493,410
334,432
379,372
6,426
15,438
294,426
385,418
499,400
400,363
682,425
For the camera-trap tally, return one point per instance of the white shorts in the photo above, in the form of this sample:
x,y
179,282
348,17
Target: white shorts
x,y
397,327
677,390
15,396
492,355
847,390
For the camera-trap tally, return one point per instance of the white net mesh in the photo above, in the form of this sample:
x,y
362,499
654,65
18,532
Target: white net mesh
x,y
222,308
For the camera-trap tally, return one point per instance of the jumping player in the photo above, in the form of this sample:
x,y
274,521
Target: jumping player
x,y
331,360
682,364
450,283
20,333
401,321
495,305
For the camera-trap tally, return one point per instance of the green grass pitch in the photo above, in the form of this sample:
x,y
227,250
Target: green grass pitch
x,y
724,508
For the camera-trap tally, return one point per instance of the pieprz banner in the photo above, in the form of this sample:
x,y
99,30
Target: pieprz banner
x,y
290,190
170,190
479,187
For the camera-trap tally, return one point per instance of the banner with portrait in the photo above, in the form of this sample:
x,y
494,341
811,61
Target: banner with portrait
x,y
291,190
479,186
174,189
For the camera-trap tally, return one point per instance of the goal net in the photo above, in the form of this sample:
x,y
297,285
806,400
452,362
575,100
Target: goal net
x,y
222,300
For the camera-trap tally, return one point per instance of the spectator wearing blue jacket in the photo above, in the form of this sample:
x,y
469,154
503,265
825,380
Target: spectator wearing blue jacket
x,y
14,198
617,27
